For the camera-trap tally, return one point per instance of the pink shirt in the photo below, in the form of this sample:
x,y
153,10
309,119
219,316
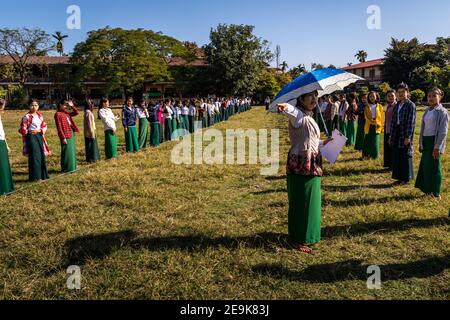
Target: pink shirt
x,y
161,115
389,115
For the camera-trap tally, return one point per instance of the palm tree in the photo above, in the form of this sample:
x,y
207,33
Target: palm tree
x,y
361,56
59,44
284,66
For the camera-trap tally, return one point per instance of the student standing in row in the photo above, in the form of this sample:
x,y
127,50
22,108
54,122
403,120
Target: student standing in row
x,y
154,125
109,123
391,103
359,143
67,130
6,181
168,114
129,118
402,135
433,137
35,146
90,133
374,114
343,107
352,114
185,117
191,118
161,121
143,116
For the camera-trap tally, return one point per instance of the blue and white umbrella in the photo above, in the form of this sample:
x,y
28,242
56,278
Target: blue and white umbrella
x,y
325,81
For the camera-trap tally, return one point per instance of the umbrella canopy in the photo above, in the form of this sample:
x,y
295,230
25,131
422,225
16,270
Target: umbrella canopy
x,y
325,81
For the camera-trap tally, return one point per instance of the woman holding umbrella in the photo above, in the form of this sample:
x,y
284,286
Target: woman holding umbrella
x,y
304,172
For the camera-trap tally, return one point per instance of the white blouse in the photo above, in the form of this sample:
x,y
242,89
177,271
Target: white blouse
x,y
430,124
36,124
2,131
142,113
373,109
108,119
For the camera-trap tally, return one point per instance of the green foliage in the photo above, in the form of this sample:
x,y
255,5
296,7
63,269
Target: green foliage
x,y
417,96
236,58
125,59
361,56
363,90
270,83
384,88
416,63
3,93
19,98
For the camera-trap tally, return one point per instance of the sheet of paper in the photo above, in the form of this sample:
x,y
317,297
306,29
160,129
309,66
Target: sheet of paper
x,y
334,148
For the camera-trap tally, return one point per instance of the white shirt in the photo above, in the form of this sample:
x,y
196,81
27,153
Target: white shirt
x,y
430,124
35,124
108,119
185,110
373,108
2,131
192,111
142,113
168,113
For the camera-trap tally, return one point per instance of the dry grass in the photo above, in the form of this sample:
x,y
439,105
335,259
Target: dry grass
x,y
142,228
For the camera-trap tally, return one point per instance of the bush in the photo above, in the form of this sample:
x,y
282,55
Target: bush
x,y
417,96
384,88
18,98
363,90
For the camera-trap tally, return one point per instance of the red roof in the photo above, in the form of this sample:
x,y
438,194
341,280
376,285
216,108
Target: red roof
x,y
367,64
37,60
179,62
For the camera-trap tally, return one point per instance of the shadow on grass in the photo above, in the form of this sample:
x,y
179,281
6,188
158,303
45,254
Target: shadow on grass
x,y
382,227
275,178
367,201
355,270
353,171
96,247
357,187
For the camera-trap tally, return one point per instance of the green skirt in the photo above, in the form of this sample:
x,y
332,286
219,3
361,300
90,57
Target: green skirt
x,y
92,153
360,135
304,208
69,155
343,127
6,181
161,132
429,177
372,144
154,134
37,165
185,123
110,144
351,133
191,121
143,133
174,129
131,140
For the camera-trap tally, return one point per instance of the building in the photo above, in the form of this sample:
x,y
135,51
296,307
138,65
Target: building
x,y
49,80
371,70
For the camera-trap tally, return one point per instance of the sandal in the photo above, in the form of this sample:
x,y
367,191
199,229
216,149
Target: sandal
x,y
304,249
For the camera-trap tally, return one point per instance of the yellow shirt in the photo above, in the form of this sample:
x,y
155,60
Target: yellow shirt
x,y
378,122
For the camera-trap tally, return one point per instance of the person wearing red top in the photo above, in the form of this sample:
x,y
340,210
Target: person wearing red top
x,y
391,97
66,131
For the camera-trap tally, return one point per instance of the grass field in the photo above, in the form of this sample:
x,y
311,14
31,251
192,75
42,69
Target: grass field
x,y
142,228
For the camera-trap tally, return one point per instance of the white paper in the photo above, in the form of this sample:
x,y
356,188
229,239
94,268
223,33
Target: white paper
x,y
334,148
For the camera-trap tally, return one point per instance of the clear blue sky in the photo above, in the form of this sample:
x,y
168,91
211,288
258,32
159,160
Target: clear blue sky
x,y
322,31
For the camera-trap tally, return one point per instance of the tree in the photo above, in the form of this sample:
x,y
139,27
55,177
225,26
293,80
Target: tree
x,y
349,64
317,66
284,66
270,83
425,77
20,45
298,71
59,42
384,88
332,66
278,55
125,59
236,58
417,96
361,56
